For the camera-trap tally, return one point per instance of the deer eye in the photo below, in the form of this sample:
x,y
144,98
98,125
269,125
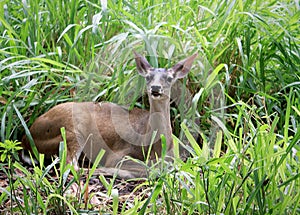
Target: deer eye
x,y
149,78
169,79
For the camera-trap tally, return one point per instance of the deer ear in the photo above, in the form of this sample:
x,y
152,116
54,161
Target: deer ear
x,y
142,64
182,68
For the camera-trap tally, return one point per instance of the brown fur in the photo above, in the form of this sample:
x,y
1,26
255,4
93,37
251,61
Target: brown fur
x,y
91,127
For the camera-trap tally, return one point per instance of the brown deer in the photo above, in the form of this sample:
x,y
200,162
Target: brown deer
x,y
91,126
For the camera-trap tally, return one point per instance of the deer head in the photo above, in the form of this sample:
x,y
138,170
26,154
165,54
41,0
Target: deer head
x,y
160,80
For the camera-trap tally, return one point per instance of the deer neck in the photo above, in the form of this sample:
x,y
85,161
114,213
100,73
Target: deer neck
x,y
159,121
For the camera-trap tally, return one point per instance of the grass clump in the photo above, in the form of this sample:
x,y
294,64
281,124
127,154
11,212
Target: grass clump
x,y
237,114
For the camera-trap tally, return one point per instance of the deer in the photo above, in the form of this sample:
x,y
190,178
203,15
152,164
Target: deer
x,y
92,126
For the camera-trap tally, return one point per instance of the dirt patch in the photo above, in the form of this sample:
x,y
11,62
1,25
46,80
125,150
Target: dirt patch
x,y
94,197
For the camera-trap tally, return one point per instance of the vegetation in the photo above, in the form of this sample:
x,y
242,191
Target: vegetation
x,y
237,114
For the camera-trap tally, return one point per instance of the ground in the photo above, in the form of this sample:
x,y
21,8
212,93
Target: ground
x,y
96,199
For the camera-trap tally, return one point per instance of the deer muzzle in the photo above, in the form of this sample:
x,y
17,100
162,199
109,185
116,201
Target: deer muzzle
x,y
156,91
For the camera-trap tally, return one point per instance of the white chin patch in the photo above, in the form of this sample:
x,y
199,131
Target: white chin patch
x,y
156,96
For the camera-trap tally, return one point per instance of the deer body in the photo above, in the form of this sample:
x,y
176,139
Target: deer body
x,y
91,127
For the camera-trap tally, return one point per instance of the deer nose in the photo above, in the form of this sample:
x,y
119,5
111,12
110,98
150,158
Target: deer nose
x,y
156,90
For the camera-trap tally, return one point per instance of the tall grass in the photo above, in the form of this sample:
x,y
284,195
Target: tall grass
x,y
237,114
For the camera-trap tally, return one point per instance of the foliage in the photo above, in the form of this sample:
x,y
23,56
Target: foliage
x,y
9,150
237,114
